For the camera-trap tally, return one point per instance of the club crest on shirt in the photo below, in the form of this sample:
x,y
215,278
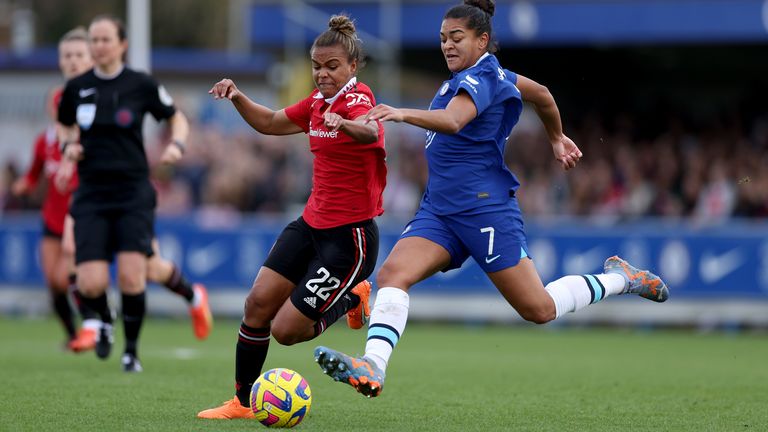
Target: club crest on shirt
x,y
124,117
86,113
444,89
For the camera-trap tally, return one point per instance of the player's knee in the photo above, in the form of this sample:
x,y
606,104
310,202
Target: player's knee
x,y
538,315
60,283
389,276
154,273
257,309
130,283
284,335
91,285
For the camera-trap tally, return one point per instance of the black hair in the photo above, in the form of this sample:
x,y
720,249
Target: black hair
x,y
478,15
121,33
341,31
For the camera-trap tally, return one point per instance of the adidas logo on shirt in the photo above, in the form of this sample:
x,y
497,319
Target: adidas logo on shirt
x,y
312,301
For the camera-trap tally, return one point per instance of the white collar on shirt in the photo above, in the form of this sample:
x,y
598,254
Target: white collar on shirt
x,y
480,59
351,83
102,75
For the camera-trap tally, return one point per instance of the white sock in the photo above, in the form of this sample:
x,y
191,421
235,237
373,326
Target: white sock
x,y
196,298
388,318
571,293
93,324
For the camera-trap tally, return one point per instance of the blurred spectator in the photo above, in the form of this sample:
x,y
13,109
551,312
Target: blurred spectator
x,y
708,173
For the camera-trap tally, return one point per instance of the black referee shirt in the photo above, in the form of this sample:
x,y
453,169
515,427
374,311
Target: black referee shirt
x,y
109,113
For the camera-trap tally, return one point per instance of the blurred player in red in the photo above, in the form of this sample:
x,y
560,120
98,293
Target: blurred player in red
x,y
57,257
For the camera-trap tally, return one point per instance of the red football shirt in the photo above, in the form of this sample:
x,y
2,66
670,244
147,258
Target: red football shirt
x,y
46,162
348,177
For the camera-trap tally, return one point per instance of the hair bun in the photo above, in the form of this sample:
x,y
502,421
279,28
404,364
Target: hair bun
x,y
342,24
487,6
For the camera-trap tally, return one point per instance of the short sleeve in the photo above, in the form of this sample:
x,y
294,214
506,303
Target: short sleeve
x,y
301,112
511,76
480,85
66,114
159,101
359,103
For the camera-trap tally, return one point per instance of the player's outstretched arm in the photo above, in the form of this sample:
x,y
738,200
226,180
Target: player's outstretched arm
x,y
565,150
261,118
358,129
460,111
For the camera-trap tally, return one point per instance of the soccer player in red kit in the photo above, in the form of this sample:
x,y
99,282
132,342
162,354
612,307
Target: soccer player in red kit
x,y
57,261
316,270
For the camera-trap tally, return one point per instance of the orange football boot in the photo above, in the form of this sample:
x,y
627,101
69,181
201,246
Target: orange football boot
x,y
84,341
202,320
358,317
230,409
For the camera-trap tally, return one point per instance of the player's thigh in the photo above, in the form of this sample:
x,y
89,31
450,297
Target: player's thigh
x,y
131,272
68,236
159,270
50,250
412,260
269,292
521,286
426,246
291,325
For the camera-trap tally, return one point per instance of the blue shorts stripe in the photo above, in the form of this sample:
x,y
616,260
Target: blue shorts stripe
x,y
597,287
384,332
523,254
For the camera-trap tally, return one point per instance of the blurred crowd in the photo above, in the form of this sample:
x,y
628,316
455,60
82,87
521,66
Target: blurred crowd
x,y
708,173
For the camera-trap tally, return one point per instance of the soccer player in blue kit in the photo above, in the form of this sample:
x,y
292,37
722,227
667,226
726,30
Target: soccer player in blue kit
x,y
469,206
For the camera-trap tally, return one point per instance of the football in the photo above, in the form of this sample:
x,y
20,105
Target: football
x,y
280,398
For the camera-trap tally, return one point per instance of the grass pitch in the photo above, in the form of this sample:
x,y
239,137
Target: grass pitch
x,y
442,378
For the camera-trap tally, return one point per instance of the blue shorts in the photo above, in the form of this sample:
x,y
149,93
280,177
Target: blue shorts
x,y
495,239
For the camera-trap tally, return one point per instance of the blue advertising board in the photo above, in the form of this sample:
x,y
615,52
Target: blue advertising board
x,y
417,23
706,262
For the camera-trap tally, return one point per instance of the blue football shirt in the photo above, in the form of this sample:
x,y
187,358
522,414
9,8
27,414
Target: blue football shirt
x,y
466,169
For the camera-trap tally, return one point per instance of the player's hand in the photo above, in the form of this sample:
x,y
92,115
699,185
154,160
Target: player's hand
x,y
384,113
64,174
171,154
73,152
333,121
566,152
225,88
20,186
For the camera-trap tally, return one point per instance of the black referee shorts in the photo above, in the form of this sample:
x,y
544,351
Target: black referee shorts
x,y
324,263
99,234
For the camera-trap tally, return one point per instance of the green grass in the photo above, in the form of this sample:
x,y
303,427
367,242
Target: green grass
x,y
442,378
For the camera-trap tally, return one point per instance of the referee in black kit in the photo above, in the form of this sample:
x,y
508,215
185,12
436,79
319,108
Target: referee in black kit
x,y
101,114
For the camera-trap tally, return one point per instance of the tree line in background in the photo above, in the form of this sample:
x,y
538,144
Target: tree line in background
x,y
189,23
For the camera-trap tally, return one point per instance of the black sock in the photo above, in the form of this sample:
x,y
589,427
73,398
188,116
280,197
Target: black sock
x,y
86,313
347,302
252,347
134,309
64,312
180,285
98,305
